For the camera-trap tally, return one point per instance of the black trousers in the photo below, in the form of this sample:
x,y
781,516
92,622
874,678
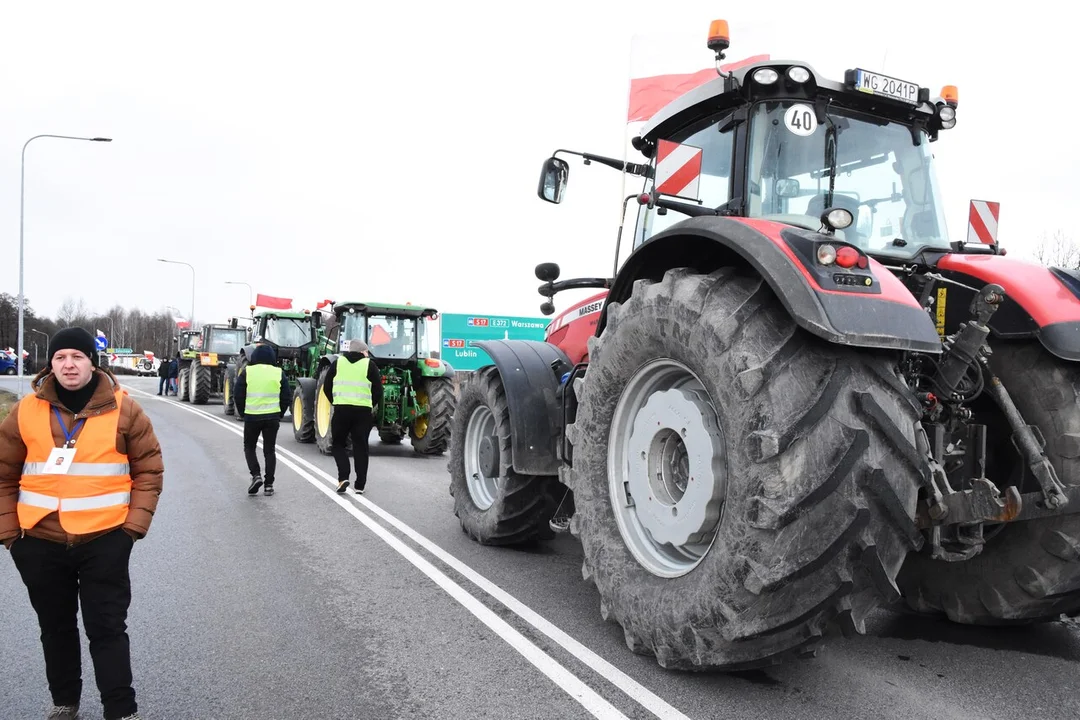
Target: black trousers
x,y
351,422
94,574
267,427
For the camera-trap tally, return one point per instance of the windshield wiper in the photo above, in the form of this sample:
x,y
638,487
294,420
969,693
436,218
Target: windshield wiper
x,y
830,158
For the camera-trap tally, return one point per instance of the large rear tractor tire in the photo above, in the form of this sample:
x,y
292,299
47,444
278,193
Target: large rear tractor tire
x,y
324,414
740,484
496,505
1028,571
201,384
430,434
303,411
183,384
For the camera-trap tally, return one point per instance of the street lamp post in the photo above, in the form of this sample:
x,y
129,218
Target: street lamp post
x,y
191,320
22,204
251,299
35,344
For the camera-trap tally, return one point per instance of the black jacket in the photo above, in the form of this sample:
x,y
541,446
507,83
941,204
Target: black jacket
x,y
373,377
261,355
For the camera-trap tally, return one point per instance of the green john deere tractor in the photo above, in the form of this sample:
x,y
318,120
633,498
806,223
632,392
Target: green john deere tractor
x,y
295,339
204,354
418,393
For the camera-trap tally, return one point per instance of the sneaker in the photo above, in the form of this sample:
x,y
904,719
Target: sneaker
x,y
359,491
63,712
256,483
136,716
268,489
342,486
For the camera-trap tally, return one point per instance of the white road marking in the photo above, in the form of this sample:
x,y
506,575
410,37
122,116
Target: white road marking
x,y
639,693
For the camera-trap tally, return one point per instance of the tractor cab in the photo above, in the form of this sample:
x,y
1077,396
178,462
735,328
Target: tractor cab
x,y
290,333
223,341
777,141
189,343
395,334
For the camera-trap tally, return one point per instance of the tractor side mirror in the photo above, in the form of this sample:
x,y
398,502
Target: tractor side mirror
x,y
316,320
547,272
787,188
553,180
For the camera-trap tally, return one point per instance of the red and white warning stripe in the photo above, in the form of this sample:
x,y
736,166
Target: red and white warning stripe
x,y
678,169
983,222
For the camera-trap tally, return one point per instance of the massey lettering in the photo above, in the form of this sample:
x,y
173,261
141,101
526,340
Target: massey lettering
x,y
590,308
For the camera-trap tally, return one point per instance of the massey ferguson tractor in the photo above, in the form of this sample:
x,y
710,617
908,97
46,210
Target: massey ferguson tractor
x,y
418,392
798,400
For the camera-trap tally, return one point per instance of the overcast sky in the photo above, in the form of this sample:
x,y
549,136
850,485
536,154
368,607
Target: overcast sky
x,y
391,151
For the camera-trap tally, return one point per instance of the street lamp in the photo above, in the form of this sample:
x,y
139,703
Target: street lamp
x,y
180,262
35,344
22,203
250,299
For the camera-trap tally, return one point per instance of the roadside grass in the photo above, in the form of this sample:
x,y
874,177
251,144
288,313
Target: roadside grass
x,y
7,401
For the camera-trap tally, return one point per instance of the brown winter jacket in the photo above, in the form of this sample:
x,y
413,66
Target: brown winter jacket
x,y
134,437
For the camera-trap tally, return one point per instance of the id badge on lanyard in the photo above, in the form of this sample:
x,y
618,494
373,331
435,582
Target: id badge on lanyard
x,y
60,458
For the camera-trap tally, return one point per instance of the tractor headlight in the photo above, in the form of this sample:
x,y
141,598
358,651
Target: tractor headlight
x,y
766,76
798,74
947,115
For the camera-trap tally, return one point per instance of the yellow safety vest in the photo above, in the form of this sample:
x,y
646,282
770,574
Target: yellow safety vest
x,y
263,390
351,386
95,493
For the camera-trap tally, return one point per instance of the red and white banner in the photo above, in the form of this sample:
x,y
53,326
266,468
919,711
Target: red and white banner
x,y
273,303
983,222
649,94
678,169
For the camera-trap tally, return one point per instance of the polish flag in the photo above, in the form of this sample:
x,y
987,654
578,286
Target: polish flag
x,y
183,324
323,303
273,303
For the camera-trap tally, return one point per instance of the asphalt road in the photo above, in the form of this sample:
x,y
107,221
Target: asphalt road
x,y
312,605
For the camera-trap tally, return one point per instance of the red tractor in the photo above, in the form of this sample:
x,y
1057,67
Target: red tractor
x,y
799,399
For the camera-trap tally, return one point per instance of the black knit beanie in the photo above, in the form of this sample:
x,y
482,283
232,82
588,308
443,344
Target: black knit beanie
x,y
74,338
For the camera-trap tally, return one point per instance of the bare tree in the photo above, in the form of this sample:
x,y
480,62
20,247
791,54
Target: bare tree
x,y
1058,250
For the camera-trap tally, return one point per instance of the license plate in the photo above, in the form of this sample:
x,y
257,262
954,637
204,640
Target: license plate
x,y
890,87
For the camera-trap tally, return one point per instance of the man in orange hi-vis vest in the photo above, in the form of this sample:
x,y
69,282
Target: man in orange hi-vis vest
x,y
80,475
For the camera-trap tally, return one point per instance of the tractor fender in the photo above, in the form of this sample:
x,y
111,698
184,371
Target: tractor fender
x,y
1040,302
883,315
531,387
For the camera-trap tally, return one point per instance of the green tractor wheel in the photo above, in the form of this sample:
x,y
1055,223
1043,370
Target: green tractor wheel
x,y
227,390
324,413
303,411
430,433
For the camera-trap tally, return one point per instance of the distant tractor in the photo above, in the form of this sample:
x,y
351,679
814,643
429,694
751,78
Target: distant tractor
x,y
418,394
204,356
295,340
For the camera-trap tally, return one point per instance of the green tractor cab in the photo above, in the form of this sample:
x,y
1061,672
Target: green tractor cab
x,y
296,341
418,393
204,355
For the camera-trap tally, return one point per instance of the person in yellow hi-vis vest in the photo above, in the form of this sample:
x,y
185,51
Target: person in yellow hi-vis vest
x,y
80,475
353,386
262,396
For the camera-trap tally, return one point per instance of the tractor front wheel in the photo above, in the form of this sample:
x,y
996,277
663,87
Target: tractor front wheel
x,y
303,411
495,504
430,433
324,414
227,390
183,384
740,485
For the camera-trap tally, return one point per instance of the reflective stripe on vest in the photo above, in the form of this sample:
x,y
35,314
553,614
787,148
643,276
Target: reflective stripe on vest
x,y
351,386
263,390
95,493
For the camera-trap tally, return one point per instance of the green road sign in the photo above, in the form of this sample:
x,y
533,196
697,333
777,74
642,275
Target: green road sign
x,y
120,351
461,332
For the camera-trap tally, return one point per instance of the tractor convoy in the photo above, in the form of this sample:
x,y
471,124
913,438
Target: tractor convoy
x,y
418,393
796,400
